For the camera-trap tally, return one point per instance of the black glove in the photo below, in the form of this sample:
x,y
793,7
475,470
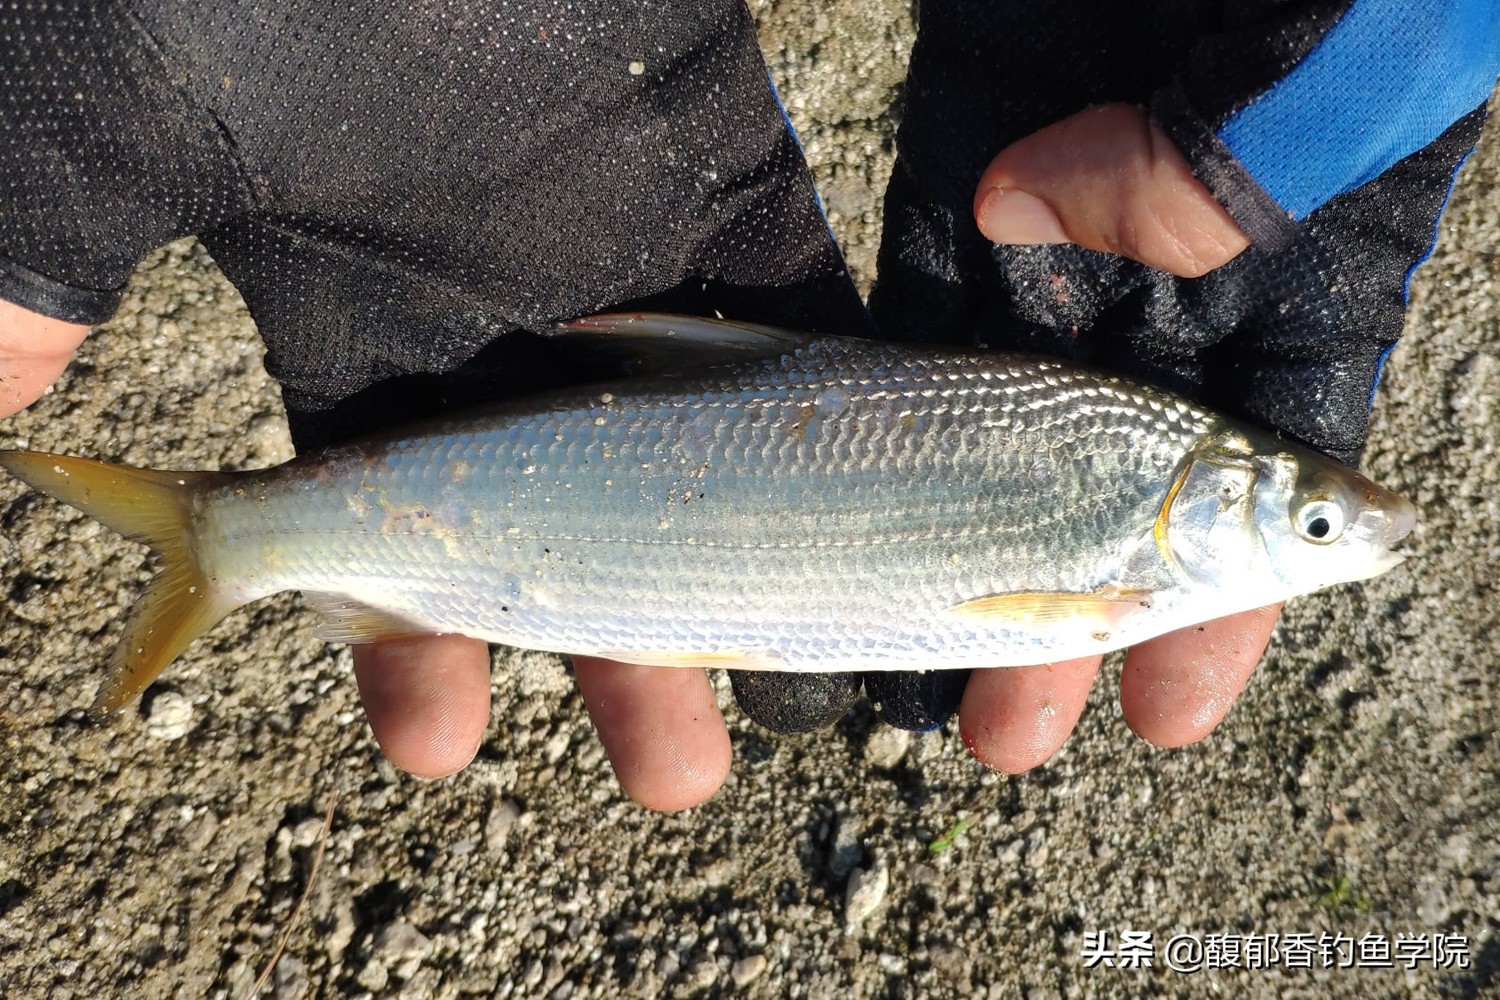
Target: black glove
x,y
1330,131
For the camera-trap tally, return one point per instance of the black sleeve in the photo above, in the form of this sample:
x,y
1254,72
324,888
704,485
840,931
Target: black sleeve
x,y
397,188
102,158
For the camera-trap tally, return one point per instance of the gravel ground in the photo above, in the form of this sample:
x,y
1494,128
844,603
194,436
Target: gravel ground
x,y
1353,790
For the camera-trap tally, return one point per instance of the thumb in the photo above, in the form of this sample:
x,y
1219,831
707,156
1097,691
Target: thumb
x,y
34,350
1107,178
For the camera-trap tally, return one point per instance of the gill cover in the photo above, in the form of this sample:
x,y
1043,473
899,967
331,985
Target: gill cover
x,y
1207,528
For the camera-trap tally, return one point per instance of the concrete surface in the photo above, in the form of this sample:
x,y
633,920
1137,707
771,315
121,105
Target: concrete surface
x,y
1353,790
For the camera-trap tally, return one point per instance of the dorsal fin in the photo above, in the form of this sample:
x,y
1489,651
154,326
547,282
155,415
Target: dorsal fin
x,y
652,343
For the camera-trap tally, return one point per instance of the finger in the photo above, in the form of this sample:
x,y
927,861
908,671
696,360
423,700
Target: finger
x,y
34,350
916,700
1107,178
794,702
661,728
1015,718
1177,687
427,698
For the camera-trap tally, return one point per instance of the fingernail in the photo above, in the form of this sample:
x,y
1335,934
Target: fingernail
x,y
1017,217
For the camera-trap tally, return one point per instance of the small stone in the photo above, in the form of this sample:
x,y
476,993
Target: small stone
x,y
240,978
170,718
1036,847
745,971
864,894
927,747
724,871
925,875
497,825
308,832
703,974
291,978
200,832
557,745
402,945
373,976
845,852
337,940
886,746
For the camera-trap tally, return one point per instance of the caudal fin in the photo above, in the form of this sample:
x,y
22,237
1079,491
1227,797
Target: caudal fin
x,y
148,506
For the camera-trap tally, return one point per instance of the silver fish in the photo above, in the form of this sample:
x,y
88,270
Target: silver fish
x,y
775,502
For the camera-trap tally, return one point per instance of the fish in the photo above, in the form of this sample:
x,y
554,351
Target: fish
x,y
756,498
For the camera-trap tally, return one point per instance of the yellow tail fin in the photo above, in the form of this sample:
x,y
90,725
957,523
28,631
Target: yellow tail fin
x,y
151,507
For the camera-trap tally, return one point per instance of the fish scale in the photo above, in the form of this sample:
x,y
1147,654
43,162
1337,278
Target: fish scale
x,y
740,514
793,503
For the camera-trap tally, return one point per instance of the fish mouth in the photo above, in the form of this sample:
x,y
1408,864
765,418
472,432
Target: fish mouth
x,y
1395,517
1399,517
1386,561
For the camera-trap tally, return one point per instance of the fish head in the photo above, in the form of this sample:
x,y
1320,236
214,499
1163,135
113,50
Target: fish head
x,y
1267,520
1323,523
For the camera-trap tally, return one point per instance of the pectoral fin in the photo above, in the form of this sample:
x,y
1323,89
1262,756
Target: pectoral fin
x,y
1098,612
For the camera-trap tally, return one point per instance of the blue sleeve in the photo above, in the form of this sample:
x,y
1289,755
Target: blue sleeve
x,y
1290,105
1386,80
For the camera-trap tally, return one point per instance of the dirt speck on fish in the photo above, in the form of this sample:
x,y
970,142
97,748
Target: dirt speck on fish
x,y
759,499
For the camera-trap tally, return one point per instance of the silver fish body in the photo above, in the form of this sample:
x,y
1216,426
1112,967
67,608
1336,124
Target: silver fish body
x,y
839,505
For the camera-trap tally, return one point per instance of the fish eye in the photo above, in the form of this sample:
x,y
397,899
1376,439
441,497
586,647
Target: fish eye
x,y
1320,521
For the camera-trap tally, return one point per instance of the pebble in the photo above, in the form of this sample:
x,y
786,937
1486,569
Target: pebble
x,y
864,894
402,945
557,745
927,747
199,833
291,978
171,717
703,974
337,940
886,746
308,832
497,825
745,971
844,853
373,976
722,872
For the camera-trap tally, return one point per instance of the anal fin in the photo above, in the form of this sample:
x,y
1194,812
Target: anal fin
x,y
350,621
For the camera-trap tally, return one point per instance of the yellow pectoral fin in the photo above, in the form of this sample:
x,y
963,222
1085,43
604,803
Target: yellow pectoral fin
x,y
1098,612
